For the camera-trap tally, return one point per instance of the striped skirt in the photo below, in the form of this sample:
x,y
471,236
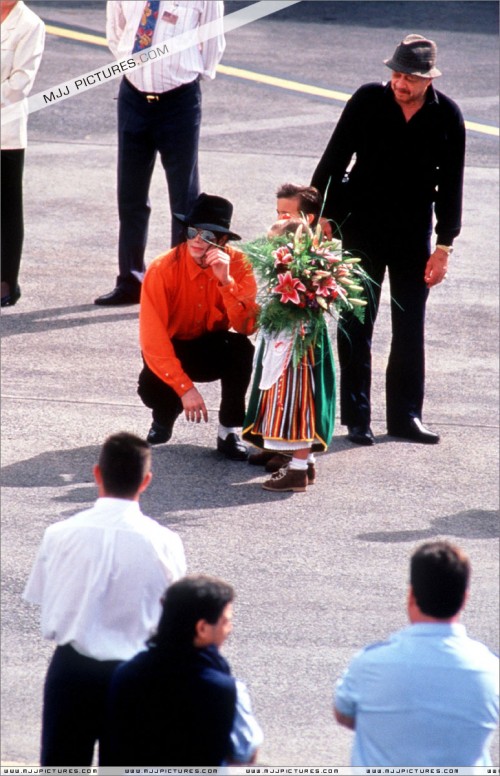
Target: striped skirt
x,y
285,413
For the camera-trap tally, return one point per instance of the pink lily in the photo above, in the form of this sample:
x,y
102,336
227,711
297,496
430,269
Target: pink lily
x,y
288,287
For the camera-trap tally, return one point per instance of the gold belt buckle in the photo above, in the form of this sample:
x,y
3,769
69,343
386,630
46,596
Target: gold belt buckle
x,y
152,97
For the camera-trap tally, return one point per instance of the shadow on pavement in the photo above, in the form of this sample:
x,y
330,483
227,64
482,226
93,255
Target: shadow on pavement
x,y
57,318
471,524
186,477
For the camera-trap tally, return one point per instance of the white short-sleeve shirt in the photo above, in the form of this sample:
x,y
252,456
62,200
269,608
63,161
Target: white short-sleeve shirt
x,y
99,577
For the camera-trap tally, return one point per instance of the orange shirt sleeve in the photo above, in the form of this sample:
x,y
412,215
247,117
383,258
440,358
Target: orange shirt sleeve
x,y
156,345
240,296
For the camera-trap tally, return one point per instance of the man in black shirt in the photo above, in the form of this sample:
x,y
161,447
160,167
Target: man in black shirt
x,y
409,145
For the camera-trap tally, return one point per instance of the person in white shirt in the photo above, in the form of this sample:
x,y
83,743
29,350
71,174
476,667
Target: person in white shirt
x,y
99,577
23,39
159,111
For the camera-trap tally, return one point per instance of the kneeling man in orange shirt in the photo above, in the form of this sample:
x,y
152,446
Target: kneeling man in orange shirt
x,y
198,308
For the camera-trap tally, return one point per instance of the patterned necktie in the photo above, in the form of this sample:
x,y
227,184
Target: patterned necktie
x,y
145,31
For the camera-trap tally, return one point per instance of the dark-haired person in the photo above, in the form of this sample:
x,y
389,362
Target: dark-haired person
x,y
294,201
176,703
159,113
99,577
197,310
427,696
407,142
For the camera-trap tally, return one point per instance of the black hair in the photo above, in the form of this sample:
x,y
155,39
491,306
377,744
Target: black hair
x,y
187,601
309,198
124,461
439,577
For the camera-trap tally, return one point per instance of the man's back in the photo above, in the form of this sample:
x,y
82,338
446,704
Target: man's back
x,y
172,709
99,576
427,696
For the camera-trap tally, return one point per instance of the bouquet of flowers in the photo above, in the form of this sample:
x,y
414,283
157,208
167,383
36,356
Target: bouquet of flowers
x,y
304,276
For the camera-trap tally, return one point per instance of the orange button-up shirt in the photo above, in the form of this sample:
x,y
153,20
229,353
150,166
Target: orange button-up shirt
x,y
180,300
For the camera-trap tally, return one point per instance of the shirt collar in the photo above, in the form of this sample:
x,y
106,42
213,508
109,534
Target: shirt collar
x,y
431,96
193,269
435,629
14,17
122,505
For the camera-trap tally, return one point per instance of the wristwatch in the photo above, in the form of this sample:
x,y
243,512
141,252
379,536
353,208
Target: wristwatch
x,y
446,248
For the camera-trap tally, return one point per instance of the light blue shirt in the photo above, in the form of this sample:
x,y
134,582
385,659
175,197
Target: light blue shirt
x,y
246,735
427,696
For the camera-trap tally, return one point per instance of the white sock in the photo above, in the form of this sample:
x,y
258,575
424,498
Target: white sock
x,y
311,458
225,430
298,463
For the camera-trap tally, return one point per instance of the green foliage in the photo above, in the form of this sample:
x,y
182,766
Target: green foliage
x,y
303,276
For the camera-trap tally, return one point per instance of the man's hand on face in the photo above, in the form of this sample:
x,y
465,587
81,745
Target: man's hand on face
x,y
219,260
194,406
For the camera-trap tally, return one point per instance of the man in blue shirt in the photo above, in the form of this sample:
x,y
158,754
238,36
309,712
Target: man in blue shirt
x,y
428,696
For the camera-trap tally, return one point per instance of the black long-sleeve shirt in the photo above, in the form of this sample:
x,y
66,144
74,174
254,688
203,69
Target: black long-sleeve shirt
x,y
401,168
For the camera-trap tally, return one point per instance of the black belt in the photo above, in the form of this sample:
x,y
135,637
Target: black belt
x,y
154,97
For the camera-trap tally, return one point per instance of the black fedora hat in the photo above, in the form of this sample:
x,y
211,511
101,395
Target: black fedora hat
x,y
415,55
210,212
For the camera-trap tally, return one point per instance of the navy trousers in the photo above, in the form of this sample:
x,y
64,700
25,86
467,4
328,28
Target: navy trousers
x,y
404,257
74,708
169,126
217,355
12,215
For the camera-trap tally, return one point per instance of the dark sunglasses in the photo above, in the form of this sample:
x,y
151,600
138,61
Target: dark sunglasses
x,y
205,234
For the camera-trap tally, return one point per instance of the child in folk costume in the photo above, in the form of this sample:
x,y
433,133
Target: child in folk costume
x,y
292,402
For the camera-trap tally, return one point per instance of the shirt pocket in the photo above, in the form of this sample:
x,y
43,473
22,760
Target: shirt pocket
x,y
187,19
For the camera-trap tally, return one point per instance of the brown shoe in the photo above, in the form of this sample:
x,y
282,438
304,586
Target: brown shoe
x,y
287,479
311,474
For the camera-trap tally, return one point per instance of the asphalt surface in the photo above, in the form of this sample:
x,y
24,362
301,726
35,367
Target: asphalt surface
x,y
320,574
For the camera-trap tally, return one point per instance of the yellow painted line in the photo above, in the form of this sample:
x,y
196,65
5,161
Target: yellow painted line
x,y
261,78
283,83
85,37
486,129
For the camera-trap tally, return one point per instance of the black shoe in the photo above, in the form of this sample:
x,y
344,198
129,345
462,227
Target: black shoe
x,y
119,296
260,457
11,298
360,435
416,431
158,434
232,447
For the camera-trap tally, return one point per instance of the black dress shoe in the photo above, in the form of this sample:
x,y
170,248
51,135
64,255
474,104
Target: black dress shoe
x,y
11,298
232,447
119,296
416,431
360,435
260,457
158,434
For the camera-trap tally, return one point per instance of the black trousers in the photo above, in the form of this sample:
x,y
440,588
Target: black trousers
x,y
404,257
218,355
170,126
12,215
74,708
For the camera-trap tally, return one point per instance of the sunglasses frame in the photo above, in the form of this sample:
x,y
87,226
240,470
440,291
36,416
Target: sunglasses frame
x,y
206,234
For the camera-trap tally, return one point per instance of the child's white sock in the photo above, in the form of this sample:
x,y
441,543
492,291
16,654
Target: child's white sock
x,y
298,463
